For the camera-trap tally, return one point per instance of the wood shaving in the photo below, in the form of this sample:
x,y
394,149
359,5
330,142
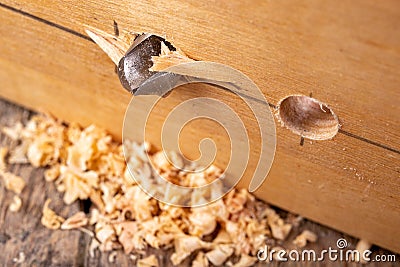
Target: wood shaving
x,y
49,218
86,164
94,244
302,239
150,261
13,182
185,246
220,254
52,173
86,231
235,200
361,247
115,47
18,154
77,220
133,257
202,222
280,230
14,133
41,151
20,259
168,58
16,204
112,256
200,260
77,184
3,154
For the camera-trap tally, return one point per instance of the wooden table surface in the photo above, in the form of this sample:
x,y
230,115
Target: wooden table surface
x,y
23,232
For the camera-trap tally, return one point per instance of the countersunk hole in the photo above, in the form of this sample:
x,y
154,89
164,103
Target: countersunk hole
x,y
308,117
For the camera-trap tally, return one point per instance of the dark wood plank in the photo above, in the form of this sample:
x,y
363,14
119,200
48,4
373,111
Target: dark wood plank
x,y
22,231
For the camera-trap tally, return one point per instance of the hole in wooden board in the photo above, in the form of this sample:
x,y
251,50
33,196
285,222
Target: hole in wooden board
x,y
308,117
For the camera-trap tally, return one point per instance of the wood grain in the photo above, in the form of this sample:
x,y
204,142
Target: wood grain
x,y
345,53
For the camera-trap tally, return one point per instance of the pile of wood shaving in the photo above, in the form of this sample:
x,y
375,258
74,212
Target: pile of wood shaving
x,y
85,163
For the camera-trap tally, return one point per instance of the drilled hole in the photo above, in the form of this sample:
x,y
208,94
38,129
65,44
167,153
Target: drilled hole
x,y
308,117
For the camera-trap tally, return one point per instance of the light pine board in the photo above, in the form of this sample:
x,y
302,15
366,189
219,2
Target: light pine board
x,y
347,54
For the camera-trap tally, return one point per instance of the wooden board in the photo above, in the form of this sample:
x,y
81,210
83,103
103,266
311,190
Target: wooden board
x,y
23,232
345,53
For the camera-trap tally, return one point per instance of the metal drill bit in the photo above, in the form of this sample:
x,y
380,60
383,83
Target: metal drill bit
x,y
133,61
133,68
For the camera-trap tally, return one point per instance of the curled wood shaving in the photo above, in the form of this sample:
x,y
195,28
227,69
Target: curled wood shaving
x,y
20,259
78,185
14,133
235,200
3,154
112,256
200,260
18,154
114,47
13,182
94,244
361,247
202,222
77,220
150,261
41,151
105,233
49,218
280,230
220,254
86,231
52,173
15,204
302,239
222,238
186,245
133,257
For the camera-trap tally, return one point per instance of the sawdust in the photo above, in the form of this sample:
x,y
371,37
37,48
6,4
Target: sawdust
x,y
302,239
50,219
85,163
16,204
